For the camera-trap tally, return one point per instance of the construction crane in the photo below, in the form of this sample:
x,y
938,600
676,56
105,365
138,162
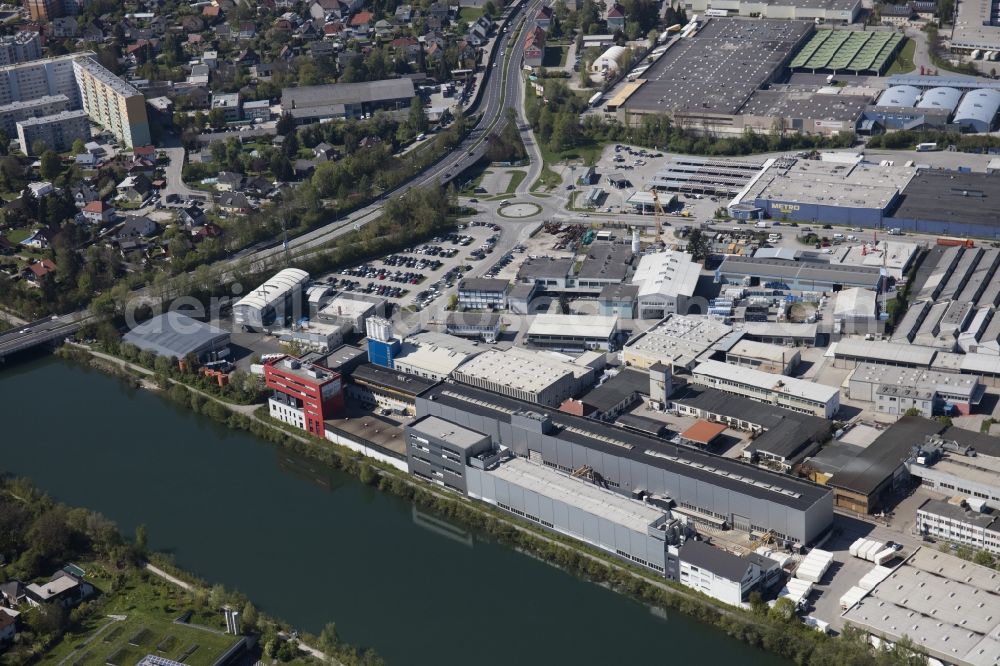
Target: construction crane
x,y
765,539
657,214
587,472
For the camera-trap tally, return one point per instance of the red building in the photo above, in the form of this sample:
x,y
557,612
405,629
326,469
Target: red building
x,y
304,394
534,47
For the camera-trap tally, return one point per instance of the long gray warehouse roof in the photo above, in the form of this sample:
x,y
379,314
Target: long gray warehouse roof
x,y
346,93
801,271
883,457
683,461
951,197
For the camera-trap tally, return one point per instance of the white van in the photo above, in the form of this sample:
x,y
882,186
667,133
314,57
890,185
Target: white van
x,y
838,237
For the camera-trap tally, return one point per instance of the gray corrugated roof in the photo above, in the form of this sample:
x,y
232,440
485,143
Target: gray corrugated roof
x,y
883,457
805,494
346,93
784,269
393,379
176,334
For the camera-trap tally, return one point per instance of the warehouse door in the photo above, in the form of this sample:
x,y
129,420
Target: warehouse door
x,y
741,522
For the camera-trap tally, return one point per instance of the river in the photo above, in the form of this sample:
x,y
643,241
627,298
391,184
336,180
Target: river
x,y
312,545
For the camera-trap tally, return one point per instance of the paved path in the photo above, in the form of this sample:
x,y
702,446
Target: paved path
x,y
153,569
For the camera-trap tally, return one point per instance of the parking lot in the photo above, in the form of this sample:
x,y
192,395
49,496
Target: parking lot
x,y
416,276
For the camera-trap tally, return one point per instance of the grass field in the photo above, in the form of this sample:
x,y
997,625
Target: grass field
x,y
516,178
469,14
15,236
150,607
904,60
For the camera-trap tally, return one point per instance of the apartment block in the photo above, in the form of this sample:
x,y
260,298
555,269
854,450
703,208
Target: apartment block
x,y
57,131
40,78
44,10
13,113
112,103
20,47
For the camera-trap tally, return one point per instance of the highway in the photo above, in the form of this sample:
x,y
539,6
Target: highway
x,y
40,332
501,91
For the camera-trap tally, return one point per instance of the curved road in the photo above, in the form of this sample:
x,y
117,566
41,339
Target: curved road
x,y
501,92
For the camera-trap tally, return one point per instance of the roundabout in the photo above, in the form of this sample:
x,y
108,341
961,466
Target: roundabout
x,y
520,210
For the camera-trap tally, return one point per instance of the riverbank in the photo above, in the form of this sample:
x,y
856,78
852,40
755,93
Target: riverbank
x,y
131,602
779,632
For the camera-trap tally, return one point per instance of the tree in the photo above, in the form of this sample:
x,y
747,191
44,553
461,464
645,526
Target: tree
x,y
912,411
217,118
51,165
141,538
250,616
417,118
489,9
699,246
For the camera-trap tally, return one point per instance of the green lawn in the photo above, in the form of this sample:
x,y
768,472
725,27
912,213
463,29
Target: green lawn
x,y
904,59
150,606
516,178
469,14
17,235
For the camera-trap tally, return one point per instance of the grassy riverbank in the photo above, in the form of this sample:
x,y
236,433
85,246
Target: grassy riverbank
x,y
135,609
777,630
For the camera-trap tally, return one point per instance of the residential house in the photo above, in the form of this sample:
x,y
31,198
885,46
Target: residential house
x,y
324,151
83,193
407,48
38,240
40,269
258,185
248,30
191,216
8,626
141,165
192,24
234,203
64,27
404,14
467,54
223,32
362,22
543,19
211,13
135,189
41,188
85,160
616,18
12,593
209,230
91,33
440,10
247,57
384,29
135,228
63,588
534,47
229,181
98,212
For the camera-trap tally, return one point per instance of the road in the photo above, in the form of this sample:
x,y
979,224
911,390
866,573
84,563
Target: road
x,y
175,181
39,332
501,92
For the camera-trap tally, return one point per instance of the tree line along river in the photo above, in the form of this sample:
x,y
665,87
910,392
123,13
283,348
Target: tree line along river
x,y
312,545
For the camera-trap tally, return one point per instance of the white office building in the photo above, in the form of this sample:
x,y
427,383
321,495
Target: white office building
x,y
796,394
